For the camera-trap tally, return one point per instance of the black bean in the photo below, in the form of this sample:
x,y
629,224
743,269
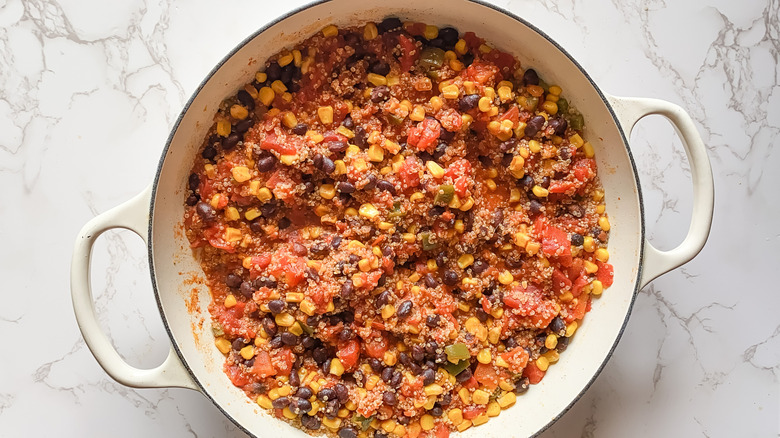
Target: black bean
x,y
526,182
545,183
266,163
284,223
404,309
536,207
389,398
467,59
564,153
327,394
437,411
557,326
233,280
449,36
276,306
387,374
481,315
468,102
380,68
559,125
336,145
193,181
380,94
577,240
246,289
346,334
230,141
432,321
192,199
289,338
312,274
450,277
342,393
347,288
446,400
311,422
534,125
430,280
522,385
348,122
429,376
206,212
375,364
563,343
418,353
345,187
308,342
246,99
576,211
238,344
463,376
244,125
273,72
295,378
530,77
388,24
508,145
288,71
320,355
395,382
479,267
382,299
281,402
436,211
299,249
386,186
304,392
269,326
301,406
326,366
348,432
300,129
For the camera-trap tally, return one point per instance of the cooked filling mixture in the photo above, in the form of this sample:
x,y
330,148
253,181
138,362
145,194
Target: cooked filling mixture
x,y
401,228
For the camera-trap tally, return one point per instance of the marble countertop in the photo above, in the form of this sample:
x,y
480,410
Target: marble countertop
x,y
90,89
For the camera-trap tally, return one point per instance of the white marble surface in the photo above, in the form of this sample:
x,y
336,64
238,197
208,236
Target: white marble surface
x,y
90,88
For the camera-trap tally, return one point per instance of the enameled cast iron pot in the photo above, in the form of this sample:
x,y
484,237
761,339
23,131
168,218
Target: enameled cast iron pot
x,y
156,215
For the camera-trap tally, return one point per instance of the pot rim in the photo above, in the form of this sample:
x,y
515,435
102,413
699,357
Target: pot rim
x,y
295,11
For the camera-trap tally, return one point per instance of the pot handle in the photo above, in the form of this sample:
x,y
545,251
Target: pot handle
x,y
133,215
629,111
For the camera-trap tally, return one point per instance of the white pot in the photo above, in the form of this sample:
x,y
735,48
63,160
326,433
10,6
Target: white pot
x,y
156,215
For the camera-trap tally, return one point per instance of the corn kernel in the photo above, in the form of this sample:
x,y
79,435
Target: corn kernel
x,y
325,113
417,114
484,356
327,191
330,31
434,169
505,277
571,328
450,92
239,112
375,153
597,287
551,341
264,402
223,345
542,363
540,192
278,86
507,400
223,128
370,32
589,151
376,79
248,352
261,77
466,206
461,47
230,301
388,311
550,107
465,260
336,368
480,420
480,397
266,95
368,211
284,319
485,104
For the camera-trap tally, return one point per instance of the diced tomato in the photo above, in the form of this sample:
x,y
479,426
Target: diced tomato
x,y
472,40
532,308
560,282
556,245
578,285
271,142
235,375
261,261
576,269
503,60
411,387
513,114
415,29
487,375
471,412
450,119
376,349
534,374
442,431
283,359
605,274
288,267
409,52
584,169
425,135
481,73
471,383
348,353
409,173
263,366
561,186
460,173
580,308
517,358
